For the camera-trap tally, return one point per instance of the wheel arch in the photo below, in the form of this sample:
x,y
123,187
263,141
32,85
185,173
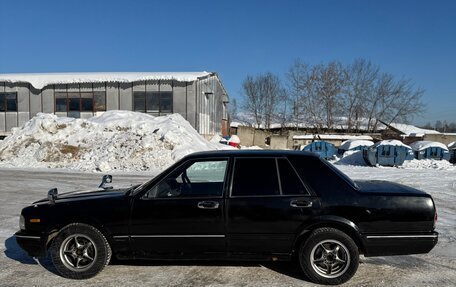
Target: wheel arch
x,y
55,228
340,223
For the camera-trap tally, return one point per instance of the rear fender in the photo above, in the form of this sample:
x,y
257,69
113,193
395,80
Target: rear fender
x,y
343,224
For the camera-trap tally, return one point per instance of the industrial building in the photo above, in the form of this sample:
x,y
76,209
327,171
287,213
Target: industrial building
x,y
198,96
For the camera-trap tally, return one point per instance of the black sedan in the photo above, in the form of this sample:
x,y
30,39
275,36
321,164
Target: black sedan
x,y
234,205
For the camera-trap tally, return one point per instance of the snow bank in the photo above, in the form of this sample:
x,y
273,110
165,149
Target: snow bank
x,y
427,164
351,144
352,157
42,80
422,145
116,140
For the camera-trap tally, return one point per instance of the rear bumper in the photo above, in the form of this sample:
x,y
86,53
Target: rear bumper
x,y
400,244
33,244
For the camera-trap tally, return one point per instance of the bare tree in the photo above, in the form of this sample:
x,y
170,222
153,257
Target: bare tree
x,y
264,98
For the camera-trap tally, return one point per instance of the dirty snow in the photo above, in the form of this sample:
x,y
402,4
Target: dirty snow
x,y
42,80
116,140
351,144
422,145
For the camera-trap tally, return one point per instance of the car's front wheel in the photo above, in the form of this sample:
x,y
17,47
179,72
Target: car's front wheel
x,y
80,251
329,256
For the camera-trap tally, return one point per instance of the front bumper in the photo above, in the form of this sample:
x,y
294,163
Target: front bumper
x,y
399,244
33,244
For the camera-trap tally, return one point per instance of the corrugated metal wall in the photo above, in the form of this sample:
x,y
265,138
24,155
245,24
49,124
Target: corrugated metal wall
x,y
199,102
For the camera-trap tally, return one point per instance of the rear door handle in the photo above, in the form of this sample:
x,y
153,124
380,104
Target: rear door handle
x,y
208,204
300,203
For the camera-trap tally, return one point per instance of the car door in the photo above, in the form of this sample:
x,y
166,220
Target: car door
x,y
183,214
267,206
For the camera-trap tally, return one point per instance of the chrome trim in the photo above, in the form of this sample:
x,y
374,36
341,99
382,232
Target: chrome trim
x,y
401,236
171,236
28,236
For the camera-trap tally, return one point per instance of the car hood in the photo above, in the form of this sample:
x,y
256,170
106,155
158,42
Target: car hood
x,y
386,187
89,194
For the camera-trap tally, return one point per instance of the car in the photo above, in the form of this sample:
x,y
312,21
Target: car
x,y
234,205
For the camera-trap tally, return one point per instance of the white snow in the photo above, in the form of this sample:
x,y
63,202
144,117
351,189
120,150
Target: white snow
x,y
350,144
330,137
116,140
41,80
393,143
352,157
427,164
411,130
452,145
422,145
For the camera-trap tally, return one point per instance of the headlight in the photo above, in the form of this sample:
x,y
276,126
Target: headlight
x,y
22,222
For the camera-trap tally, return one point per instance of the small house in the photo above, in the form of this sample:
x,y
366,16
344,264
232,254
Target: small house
x,y
352,145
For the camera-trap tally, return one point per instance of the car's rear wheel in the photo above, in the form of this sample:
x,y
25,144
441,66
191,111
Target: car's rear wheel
x,y
80,251
329,256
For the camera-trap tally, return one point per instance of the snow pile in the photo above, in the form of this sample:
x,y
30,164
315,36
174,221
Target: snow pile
x,y
422,145
116,140
427,164
351,144
352,157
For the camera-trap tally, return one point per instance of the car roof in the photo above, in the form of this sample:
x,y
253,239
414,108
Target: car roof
x,y
249,153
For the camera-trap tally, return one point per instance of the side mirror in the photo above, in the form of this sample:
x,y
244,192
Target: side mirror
x,y
52,195
107,178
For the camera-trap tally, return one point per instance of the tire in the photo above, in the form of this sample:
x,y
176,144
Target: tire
x,y
329,256
80,251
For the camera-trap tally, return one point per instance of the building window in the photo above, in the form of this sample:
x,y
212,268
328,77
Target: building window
x,y
153,102
80,102
8,102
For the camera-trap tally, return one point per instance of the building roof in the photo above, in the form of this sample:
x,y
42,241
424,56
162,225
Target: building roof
x,y
331,137
410,130
39,81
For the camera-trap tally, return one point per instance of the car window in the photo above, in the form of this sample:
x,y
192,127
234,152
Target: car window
x,y
255,177
195,179
291,183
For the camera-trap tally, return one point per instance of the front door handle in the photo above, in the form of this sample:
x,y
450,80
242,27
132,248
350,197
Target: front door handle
x,y
300,203
208,204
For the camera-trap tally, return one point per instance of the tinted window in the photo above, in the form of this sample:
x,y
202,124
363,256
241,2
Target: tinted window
x,y
255,176
99,101
60,102
11,102
2,102
323,178
153,99
166,102
74,102
291,184
197,179
139,101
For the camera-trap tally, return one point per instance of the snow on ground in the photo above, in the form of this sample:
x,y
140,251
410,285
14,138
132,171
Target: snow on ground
x,y
116,140
427,164
433,269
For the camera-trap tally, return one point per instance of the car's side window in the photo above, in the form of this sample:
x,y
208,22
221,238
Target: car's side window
x,y
196,179
255,177
291,183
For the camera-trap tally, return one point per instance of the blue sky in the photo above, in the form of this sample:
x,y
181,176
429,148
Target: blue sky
x,y
413,39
